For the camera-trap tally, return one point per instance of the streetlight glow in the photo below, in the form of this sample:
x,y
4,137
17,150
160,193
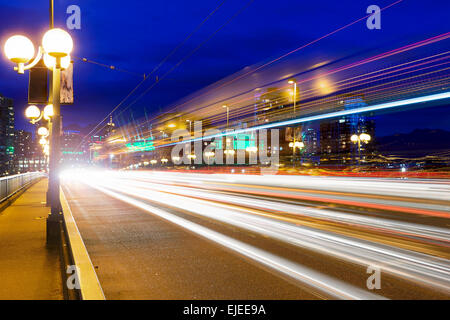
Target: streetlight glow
x,y
42,131
57,43
19,49
230,152
32,112
48,111
50,62
365,137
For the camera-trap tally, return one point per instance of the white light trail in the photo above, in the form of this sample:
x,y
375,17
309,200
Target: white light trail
x,y
382,106
314,279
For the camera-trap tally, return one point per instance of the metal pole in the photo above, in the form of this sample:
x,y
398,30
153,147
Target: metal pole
x,y
228,112
295,95
50,99
50,135
293,152
359,151
53,220
51,9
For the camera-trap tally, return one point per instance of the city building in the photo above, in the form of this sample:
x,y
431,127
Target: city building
x,y
336,146
96,142
311,151
6,136
28,155
109,128
72,155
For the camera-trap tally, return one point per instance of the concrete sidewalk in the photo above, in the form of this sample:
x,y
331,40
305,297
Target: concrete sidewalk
x,y
28,269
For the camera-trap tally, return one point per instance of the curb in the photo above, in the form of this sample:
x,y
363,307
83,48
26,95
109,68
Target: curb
x,y
89,285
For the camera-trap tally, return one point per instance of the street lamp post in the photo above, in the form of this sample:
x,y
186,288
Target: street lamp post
x,y
228,113
294,94
357,139
191,157
296,144
190,126
56,46
208,155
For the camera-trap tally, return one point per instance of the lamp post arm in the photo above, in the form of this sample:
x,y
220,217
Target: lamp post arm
x,y
21,67
34,121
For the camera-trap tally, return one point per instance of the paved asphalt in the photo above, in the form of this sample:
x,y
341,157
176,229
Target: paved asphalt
x,y
187,236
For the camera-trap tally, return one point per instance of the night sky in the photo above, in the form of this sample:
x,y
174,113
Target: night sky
x,y
137,35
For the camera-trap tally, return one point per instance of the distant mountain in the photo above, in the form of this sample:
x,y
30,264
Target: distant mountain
x,y
420,142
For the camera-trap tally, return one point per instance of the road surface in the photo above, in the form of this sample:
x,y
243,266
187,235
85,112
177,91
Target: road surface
x,y
166,235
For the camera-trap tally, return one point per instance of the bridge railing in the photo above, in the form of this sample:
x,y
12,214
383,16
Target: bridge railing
x,y
9,185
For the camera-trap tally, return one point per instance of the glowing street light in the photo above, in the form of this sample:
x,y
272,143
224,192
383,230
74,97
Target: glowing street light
x,y
365,137
57,43
50,62
324,86
48,112
43,142
295,145
362,138
230,152
43,131
35,115
32,113
208,155
19,49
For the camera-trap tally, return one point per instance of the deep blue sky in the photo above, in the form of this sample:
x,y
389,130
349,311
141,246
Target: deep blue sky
x,y
137,35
